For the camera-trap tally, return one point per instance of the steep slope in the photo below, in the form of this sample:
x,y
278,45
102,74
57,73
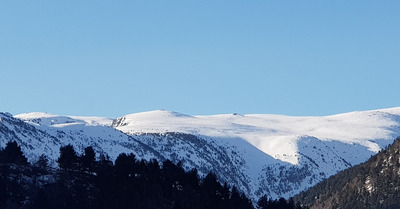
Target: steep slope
x,y
261,154
276,135
44,134
373,184
305,150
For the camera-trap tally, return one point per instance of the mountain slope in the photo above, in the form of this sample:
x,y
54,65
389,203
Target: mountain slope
x,y
45,135
373,184
305,150
276,135
260,154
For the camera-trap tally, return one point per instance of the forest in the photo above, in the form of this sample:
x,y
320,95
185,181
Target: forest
x,y
372,184
87,181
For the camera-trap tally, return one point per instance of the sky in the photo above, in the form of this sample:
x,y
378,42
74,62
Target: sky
x,y
112,58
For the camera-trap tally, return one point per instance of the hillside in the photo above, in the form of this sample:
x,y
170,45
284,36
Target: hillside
x,y
373,184
260,154
82,182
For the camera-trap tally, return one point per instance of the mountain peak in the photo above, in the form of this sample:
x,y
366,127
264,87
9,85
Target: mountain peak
x,y
271,154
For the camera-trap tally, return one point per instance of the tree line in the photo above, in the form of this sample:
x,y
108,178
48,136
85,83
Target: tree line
x,y
372,184
84,181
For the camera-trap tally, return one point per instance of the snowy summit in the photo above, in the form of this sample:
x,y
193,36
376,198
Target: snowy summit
x,y
261,154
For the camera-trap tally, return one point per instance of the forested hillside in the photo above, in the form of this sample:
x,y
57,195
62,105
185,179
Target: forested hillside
x,y
259,154
86,182
373,184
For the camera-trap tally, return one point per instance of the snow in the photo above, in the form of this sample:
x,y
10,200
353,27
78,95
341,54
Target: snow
x,y
46,119
275,135
259,148
79,131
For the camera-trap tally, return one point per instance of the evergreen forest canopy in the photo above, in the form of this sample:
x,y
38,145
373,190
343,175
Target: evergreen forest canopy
x,y
82,181
373,184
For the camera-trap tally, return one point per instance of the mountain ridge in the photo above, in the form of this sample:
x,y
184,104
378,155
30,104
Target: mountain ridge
x,y
261,154
260,128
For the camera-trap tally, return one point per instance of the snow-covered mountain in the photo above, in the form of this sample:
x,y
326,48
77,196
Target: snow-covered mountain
x,y
261,154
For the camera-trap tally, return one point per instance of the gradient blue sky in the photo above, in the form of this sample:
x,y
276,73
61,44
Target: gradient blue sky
x,y
111,58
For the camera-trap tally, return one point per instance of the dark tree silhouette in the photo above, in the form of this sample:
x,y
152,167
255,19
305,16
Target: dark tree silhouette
x,y
129,183
68,159
42,164
88,159
12,154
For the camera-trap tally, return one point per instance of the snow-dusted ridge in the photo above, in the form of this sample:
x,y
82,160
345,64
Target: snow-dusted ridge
x,y
46,119
261,154
275,135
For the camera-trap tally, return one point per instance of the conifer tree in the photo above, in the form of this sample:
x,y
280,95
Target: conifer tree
x,y
88,159
13,154
41,164
68,158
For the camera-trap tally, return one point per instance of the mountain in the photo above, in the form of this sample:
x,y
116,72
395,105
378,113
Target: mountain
x,y
305,150
373,184
42,133
261,154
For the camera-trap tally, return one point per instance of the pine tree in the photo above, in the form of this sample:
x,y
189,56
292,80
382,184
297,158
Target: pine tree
x,y
263,202
68,159
13,154
42,164
88,159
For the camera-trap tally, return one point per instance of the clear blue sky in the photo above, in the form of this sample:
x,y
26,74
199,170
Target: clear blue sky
x,y
111,58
